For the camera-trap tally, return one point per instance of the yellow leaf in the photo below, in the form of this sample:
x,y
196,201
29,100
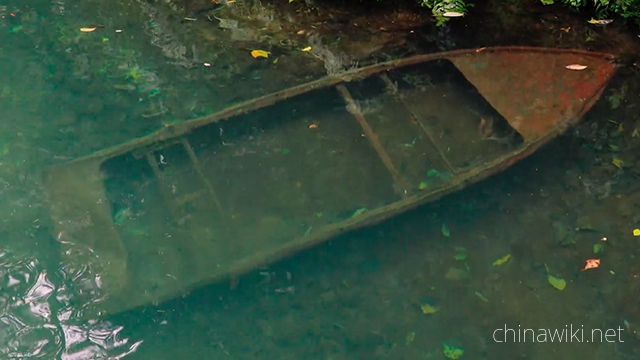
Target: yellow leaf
x,y
600,21
636,232
428,309
307,49
503,260
576,67
87,29
260,54
617,163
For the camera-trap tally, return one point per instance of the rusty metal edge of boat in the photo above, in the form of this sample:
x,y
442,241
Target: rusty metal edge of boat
x,y
370,217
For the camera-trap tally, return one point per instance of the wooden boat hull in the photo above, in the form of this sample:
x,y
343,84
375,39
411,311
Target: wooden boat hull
x,y
208,198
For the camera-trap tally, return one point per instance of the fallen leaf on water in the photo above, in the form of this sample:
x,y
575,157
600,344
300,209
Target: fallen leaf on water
x,y
433,173
617,163
260,54
576,67
359,212
636,232
16,29
428,309
307,49
409,338
600,21
452,14
461,254
445,230
598,248
313,126
556,282
481,296
591,264
503,260
87,29
452,352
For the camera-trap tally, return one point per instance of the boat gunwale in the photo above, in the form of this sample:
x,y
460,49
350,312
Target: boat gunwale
x,y
170,131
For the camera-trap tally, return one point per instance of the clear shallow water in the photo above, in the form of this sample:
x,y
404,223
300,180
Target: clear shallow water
x,y
64,94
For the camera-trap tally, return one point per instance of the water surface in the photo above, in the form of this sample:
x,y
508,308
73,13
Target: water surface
x,y
66,93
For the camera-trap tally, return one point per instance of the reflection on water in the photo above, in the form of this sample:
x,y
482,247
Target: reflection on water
x,y
64,93
38,321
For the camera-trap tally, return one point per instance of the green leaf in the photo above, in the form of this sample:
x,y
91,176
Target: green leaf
x,y
481,296
359,212
423,185
598,248
556,282
408,339
15,29
547,2
452,352
503,260
445,230
433,173
461,256
428,309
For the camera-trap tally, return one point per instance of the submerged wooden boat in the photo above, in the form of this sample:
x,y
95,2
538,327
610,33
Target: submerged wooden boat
x,y
209,198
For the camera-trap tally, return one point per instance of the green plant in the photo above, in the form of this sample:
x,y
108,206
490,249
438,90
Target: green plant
x,y
442,8
628,9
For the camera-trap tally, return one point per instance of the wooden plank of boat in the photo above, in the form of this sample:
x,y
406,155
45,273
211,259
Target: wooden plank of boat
x,y
206,199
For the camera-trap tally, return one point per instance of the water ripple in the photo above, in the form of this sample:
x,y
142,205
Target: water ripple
x,y
38,322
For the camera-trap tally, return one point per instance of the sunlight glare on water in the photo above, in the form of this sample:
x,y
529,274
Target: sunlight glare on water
x,y
39,322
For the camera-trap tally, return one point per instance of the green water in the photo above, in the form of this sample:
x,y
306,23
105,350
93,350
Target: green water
x,y
65,93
